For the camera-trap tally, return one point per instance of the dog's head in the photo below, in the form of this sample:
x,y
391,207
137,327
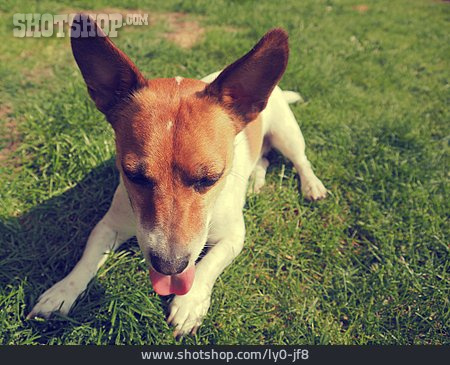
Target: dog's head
x,y
174,140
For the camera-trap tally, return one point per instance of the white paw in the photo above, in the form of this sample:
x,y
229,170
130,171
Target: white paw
x,y
258,178
59,298
186,312
313,189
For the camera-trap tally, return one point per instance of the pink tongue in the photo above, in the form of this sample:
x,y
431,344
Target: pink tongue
x,y
178,284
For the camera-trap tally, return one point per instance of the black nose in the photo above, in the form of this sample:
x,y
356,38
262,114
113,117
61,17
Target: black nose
x,y
169,267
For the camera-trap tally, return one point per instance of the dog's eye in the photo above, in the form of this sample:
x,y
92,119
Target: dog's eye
x,y
140,179
204,183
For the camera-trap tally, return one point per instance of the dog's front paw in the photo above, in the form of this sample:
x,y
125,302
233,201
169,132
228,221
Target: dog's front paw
x,y
59,298
313,189
186,312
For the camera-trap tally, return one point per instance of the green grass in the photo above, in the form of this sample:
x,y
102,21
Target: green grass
x,y
368,265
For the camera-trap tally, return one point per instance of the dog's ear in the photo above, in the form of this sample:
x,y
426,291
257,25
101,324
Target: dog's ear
x,y
109,74
245,86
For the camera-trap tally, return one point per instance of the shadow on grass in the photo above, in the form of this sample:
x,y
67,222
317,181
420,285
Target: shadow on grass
x,y
43,245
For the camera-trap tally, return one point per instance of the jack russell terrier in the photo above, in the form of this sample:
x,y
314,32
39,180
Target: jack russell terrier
x,y
186,150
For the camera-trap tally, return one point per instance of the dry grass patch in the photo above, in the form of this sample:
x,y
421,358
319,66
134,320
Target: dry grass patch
x,y
183,30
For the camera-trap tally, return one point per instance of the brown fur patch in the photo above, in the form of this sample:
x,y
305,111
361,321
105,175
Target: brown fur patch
x,y
254,133
198,141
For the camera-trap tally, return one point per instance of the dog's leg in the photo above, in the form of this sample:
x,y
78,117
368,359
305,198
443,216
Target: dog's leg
x,y
186,312
258,178
286,136
113,229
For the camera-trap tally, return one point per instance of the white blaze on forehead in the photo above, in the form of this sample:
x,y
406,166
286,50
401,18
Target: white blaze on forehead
x,y
169,125
178,79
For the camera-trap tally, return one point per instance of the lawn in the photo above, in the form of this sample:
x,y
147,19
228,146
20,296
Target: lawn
x,y
368,265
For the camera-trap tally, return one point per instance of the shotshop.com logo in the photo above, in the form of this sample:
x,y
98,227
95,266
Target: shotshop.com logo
x,y
46,25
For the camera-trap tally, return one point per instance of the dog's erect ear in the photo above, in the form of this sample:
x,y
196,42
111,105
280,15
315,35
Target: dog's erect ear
x,y
245,86
109,74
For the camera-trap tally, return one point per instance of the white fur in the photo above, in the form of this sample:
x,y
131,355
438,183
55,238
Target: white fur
x,y
292,97
227,230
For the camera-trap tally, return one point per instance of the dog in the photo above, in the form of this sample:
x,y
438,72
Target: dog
x,y
186,150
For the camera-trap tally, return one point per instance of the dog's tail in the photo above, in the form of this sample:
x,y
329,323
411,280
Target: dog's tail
x,y
292,97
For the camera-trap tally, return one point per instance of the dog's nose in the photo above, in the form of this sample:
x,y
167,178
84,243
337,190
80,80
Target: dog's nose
x,y
169,267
